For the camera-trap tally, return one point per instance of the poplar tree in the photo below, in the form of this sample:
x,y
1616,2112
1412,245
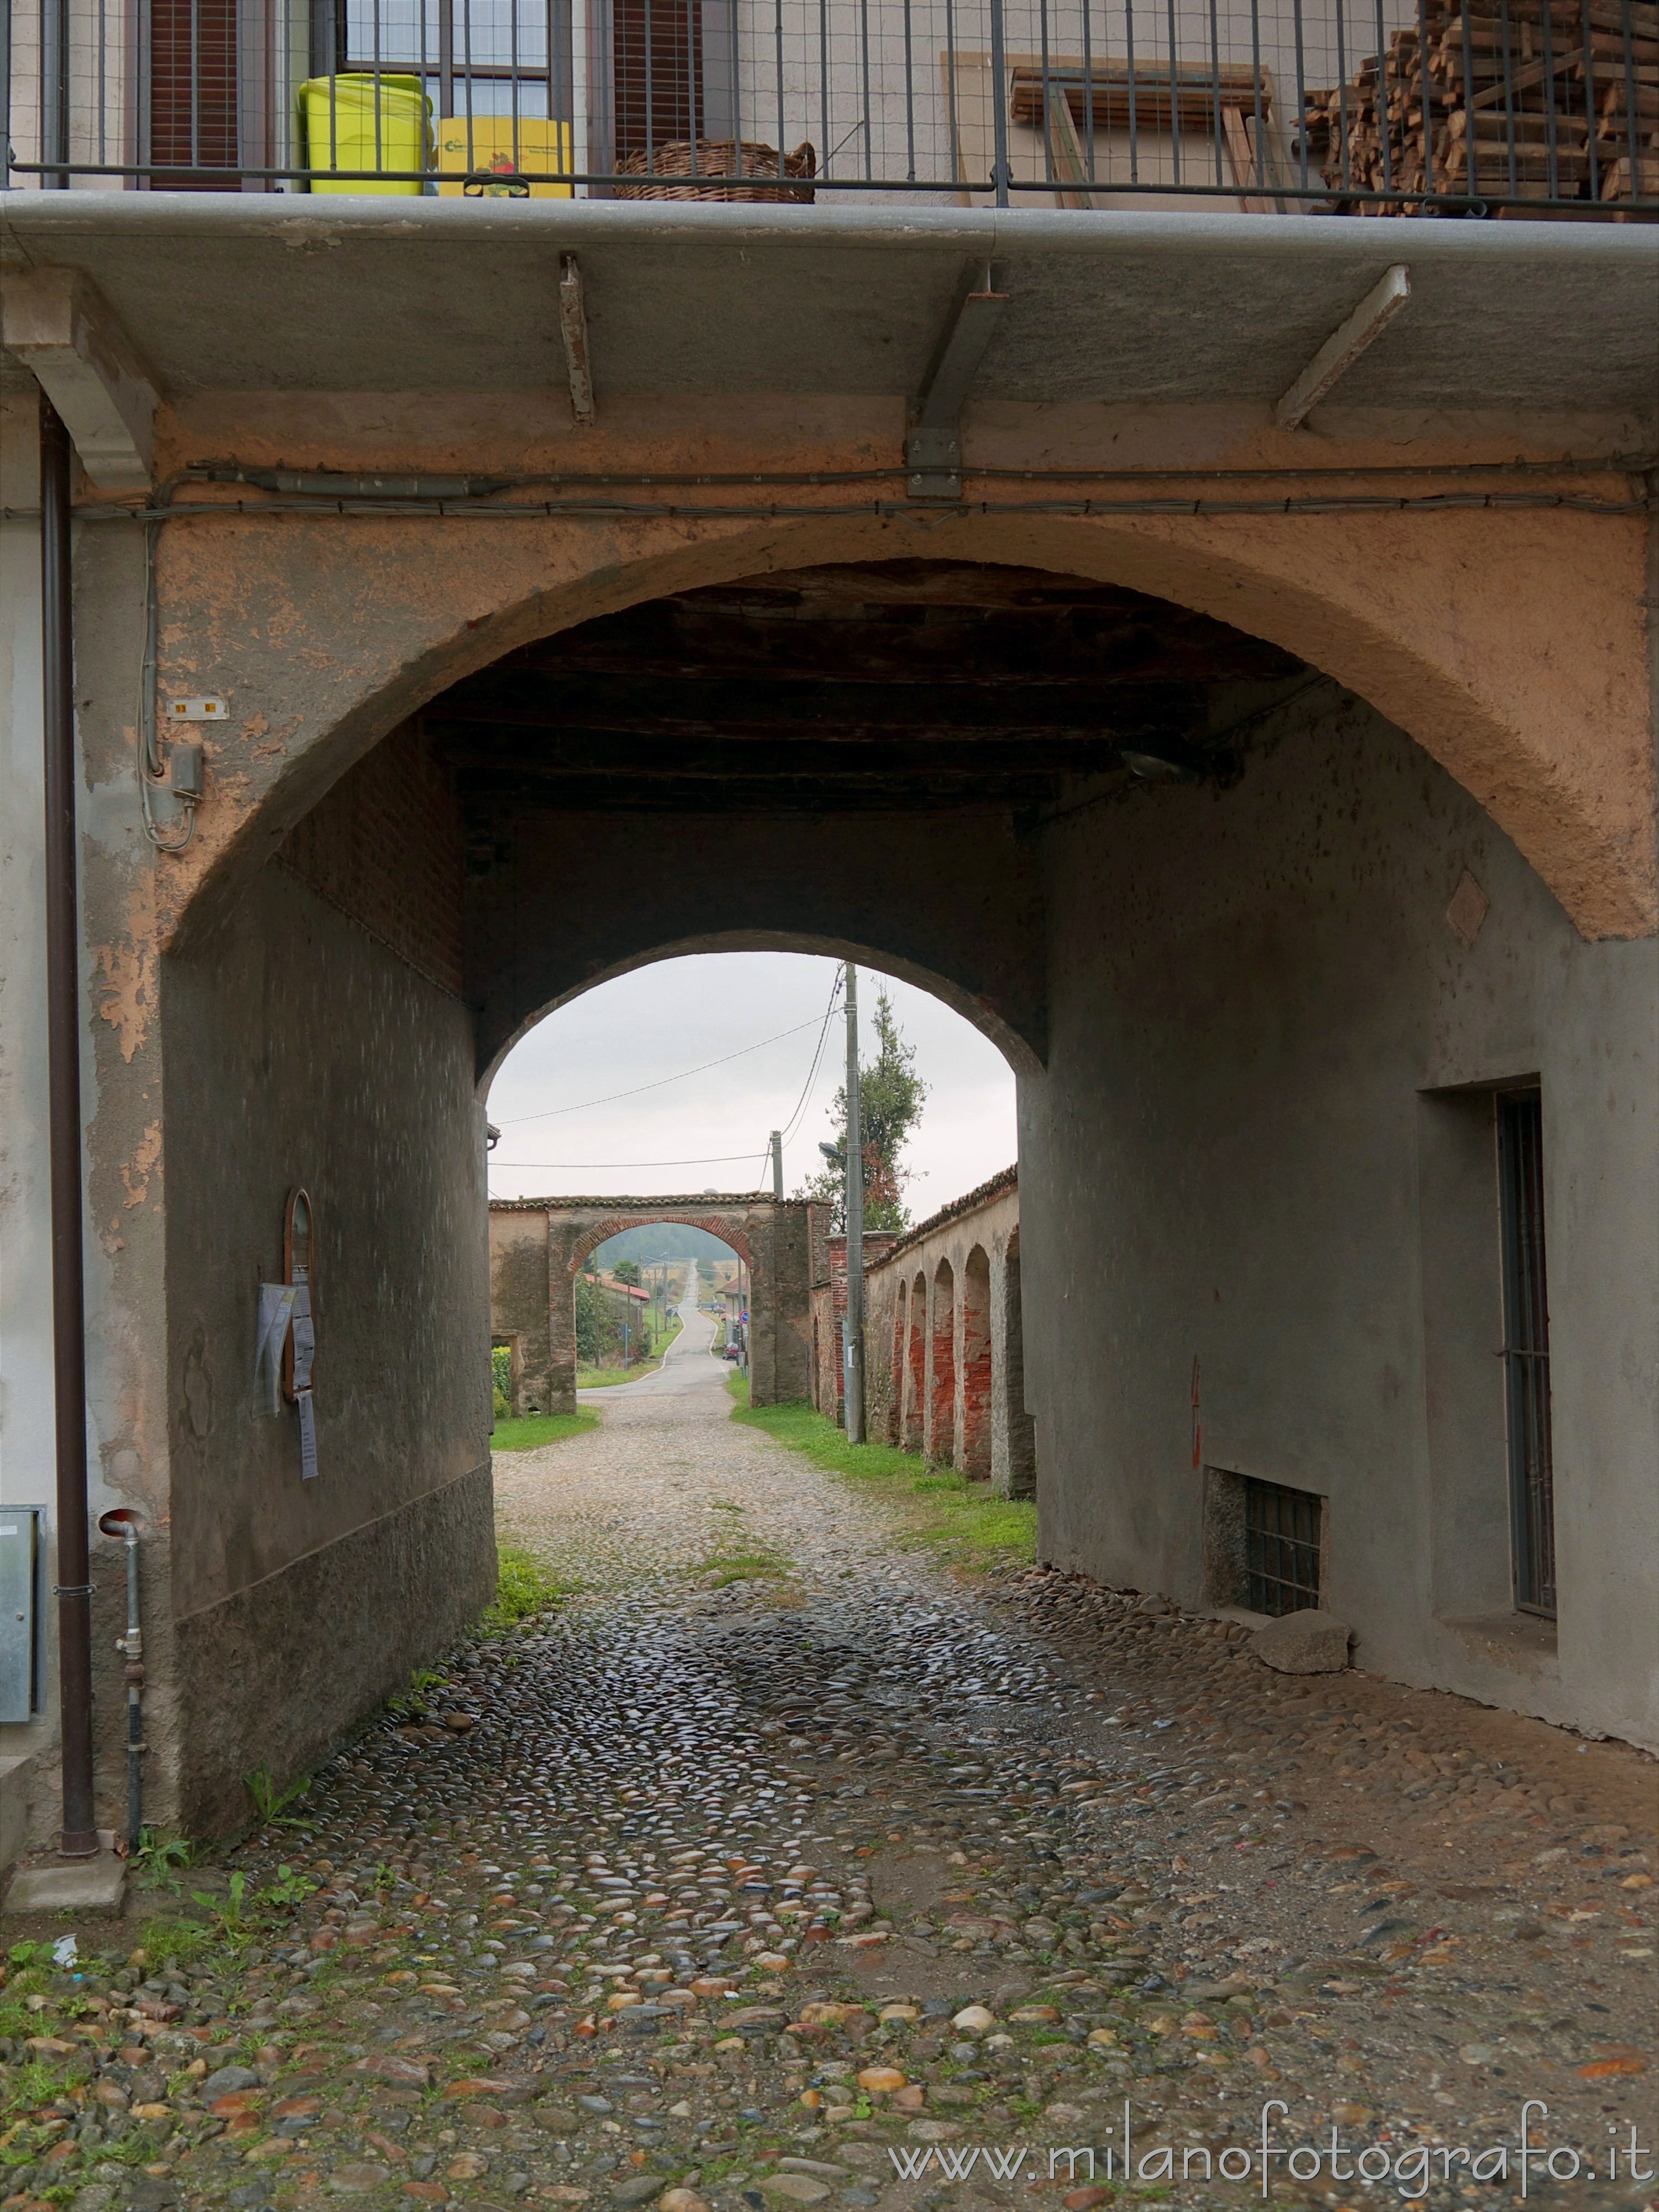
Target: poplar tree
x,y
891,1096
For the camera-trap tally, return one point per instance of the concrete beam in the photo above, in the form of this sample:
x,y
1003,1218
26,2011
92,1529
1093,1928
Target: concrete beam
x,y
57,325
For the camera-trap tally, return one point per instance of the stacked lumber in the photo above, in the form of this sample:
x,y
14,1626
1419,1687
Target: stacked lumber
x,y
1503,100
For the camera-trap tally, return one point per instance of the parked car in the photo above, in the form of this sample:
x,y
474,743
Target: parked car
x,y
731,1351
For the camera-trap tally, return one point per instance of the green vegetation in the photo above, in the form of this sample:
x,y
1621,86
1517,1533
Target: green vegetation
x,y
725,1568
602,1378
524,1587
411,1703
891,1096
157,1856
272,1803
957,1518
534,1430
226,1918
500,1375
656,1241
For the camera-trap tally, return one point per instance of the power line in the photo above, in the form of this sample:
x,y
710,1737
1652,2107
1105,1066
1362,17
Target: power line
x,y
793,1121
550,1112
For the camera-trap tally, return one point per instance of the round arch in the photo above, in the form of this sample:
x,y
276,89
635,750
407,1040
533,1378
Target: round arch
x,y
1513,666
601,1232
1018,1049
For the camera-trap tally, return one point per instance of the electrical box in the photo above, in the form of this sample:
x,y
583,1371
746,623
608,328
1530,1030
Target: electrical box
x,y
22,1610
196,710
185,771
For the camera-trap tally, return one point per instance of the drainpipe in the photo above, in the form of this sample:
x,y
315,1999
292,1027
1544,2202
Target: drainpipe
x,y
79,1839
124,1522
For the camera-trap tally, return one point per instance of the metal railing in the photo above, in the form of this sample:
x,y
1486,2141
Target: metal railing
x,y
1463,108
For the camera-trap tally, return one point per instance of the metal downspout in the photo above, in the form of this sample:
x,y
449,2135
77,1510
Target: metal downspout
x,y
79,1839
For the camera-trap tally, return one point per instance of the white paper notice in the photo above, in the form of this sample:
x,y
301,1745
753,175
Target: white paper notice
x,y
276,1311
307,1438
305,1338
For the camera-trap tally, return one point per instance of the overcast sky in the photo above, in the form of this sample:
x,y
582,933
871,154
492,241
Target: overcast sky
x,y
682,1014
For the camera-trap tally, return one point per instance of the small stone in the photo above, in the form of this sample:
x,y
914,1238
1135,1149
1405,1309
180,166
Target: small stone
x,y
974,2020
639,2190
386,2066
1307,1642
356,2181
227,2080
1028,2014
1084,2200
880,2080
470,2166
677,2200
799,2188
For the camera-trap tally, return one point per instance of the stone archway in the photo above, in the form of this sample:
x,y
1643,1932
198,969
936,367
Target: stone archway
x,y
1510,663
537,1245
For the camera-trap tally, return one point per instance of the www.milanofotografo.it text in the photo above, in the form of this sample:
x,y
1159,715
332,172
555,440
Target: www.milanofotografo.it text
x,y
1409,2166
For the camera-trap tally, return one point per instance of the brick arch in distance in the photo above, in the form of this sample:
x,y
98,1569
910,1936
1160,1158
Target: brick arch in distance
x,y
715,1224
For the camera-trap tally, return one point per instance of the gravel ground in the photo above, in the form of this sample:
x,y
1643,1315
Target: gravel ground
x,y
780,1866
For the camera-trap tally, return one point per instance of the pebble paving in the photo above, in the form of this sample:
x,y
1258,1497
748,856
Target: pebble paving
x,y
780,1866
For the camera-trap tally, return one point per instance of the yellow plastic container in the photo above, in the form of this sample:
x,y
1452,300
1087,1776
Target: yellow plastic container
x,y
483,151
366,123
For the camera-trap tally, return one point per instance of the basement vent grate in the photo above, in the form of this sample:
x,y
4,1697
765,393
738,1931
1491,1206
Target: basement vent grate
x,y
1281,1547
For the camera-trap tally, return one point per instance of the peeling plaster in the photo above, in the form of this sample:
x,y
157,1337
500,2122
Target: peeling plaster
x,y
145,1161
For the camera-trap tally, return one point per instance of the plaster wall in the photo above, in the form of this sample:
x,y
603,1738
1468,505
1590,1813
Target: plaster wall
x,y
27,1436
301,1050
1270,1066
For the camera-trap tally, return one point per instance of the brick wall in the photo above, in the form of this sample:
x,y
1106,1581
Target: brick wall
x,y
384,846
829,1308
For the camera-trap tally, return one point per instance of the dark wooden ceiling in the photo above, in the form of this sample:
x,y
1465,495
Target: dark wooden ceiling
x,y
898,684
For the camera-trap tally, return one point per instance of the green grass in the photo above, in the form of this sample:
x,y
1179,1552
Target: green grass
x,y
957,1518
524,1587
530,1431
729,1567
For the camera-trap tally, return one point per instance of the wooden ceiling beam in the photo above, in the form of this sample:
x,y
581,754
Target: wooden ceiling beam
x,y
846,713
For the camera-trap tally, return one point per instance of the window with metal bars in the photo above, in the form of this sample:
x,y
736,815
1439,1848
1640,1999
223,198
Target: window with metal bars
x,y
194,96
1527,1350
1282,1546
659,74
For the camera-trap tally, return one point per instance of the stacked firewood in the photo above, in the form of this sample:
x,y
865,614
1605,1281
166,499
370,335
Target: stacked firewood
x,y
1527,100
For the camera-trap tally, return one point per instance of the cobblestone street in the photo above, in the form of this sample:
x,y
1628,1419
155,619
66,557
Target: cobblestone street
x,y
780,1865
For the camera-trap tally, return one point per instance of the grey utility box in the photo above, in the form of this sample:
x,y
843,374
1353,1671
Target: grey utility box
x,y
22,1610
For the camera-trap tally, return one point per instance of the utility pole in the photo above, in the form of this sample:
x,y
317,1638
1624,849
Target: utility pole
x,y
854,1340
777,1166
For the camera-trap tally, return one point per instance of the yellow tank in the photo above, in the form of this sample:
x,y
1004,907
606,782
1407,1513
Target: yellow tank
x,y
482,148
366,123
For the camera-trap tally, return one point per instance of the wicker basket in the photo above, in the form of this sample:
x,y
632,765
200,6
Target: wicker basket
x,y
716,159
